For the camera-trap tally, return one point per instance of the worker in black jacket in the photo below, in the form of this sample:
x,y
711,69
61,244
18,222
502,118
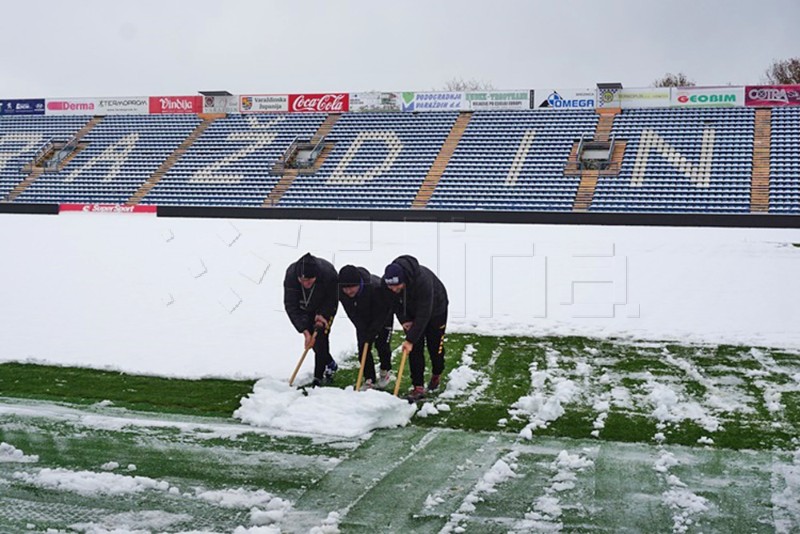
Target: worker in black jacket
x,y
369,305
310,299
421,307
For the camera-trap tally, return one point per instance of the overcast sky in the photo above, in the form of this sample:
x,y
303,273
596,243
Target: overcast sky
x,y
173,47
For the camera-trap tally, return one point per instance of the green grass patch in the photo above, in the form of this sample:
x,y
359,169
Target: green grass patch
x,y
211,397
728,385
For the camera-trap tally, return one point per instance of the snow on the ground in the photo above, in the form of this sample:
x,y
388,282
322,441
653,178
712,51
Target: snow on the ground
x,y
328,411
203,297
142,522
88,483
11,454
546,511
122,419
330,525
243,498
686,505
550,391
460,378
502,470
785,501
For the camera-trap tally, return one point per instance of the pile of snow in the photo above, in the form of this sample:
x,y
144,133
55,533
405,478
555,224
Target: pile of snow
x,y
550,391
11,454
324,411
89,483
460,378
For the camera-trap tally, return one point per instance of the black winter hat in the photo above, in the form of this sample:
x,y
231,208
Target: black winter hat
x,y
394,275
349,275
307,266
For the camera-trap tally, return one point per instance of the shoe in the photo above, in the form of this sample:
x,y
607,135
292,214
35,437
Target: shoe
x,y
416,394
367,385
316,383
384,377
330,370
433,385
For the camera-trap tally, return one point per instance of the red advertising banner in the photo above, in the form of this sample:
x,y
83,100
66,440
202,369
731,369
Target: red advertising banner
x,y
325,103
106,208
176,104
772,95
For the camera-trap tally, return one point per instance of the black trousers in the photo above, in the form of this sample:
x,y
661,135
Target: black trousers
x,y
322,348
433,337
381,343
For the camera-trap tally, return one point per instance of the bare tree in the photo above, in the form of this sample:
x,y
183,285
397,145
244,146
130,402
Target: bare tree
x,y
460,84
784,72
674,80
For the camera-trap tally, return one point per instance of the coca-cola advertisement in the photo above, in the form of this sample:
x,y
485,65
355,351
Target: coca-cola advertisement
x,y
176,104
324,103
772,95
106,208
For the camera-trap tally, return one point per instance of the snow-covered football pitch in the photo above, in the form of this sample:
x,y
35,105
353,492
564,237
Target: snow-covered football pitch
x,y
532,434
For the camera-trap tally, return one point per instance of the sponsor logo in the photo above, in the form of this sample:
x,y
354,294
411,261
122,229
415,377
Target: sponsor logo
x,y
719,98
64,105
23,107
175,104
331,103
432,101
555,100
774,94
107,208
115,103
408,102
263,103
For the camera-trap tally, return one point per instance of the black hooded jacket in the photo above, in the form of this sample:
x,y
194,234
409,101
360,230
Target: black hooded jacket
x,y
371,308
423,297
302,304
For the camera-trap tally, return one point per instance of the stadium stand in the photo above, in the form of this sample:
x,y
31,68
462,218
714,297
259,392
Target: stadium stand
x,y
379,160
121,154
681,160
665,160
24,138
784,193
514,161
230,163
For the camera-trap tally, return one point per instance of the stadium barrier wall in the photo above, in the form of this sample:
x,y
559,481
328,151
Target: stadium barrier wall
x,y
751,220
29,209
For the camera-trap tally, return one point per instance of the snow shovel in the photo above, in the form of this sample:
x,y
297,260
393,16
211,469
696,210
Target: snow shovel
x,y
400,372
303,357
361,370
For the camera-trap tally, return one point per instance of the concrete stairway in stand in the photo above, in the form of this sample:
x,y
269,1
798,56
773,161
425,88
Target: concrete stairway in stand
x,y
602,133
167,164
440,163
762,139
